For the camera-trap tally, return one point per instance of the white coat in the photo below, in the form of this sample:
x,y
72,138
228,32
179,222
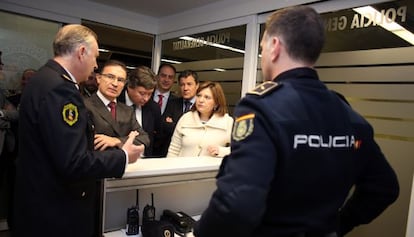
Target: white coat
x,y
192,137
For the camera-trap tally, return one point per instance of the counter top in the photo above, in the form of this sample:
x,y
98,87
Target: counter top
x,y
173,165
161,171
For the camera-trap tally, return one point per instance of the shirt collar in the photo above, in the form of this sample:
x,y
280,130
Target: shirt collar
x,y
103,98
129,102
166,94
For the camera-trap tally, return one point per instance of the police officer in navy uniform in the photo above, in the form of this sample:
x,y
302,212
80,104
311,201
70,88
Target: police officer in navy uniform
x,y
297,149
57,167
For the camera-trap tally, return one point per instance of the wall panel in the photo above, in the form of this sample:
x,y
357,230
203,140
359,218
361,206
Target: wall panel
x,y
379,84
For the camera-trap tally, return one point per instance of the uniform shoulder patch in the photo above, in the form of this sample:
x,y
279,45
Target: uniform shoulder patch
x,y
70,114
265,88
243,127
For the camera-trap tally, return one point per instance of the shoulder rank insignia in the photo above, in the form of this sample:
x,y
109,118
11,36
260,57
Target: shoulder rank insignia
x,y
264,88
70,114
243,127
66,77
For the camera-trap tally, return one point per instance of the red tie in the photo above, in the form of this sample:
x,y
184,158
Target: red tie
x,y
112,106
160,100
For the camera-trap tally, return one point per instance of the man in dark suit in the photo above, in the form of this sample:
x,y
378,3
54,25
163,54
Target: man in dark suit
x,y
138,95
170,112
57,168
176,107
112,131
188,82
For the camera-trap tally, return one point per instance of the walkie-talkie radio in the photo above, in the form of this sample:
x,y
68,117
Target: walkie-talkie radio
x,y
154,228
148,213
132,227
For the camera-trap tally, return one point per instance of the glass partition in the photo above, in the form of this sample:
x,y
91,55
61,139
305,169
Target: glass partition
x,y
379,26
215,55
25,42
131,47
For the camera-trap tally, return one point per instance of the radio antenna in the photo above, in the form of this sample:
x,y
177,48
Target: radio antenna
x,y
152,199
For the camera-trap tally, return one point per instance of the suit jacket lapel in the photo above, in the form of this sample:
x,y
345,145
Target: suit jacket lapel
x,y
105,114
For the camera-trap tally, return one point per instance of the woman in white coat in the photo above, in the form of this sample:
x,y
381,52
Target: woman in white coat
x,y
206,129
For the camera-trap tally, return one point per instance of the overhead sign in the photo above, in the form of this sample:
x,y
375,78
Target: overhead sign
x,y
366,17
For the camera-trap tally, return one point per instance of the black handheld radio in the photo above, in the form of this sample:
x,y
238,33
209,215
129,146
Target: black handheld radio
x,y
132,227
148,213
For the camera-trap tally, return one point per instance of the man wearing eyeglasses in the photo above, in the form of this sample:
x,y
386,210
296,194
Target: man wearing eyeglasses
x,y
112,121
112,127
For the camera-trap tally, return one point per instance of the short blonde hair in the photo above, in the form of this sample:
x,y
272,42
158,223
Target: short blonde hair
x,y
71,36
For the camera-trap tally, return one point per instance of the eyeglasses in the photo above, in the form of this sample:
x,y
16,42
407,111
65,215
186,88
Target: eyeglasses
x,y
113,78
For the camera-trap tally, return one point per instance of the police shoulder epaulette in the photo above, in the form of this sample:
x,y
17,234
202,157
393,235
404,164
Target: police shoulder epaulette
x,y
66,77
265,88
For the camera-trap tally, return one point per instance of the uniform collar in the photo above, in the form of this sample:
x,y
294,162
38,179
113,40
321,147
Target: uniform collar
x,y
71,76
65,74
297,73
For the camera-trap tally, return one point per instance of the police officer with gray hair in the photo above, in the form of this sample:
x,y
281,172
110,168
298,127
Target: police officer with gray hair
x,y
297,149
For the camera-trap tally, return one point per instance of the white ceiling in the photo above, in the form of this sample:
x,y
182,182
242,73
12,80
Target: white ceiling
x,y
156,8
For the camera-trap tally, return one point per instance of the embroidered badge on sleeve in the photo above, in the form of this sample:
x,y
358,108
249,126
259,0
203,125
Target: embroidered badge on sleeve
x,y
243,127
70,114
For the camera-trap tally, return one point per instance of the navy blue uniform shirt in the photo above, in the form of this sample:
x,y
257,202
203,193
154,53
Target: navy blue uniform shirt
x,y
297,150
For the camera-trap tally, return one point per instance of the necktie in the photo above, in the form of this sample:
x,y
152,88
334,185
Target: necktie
x,y
160,100
187,105
112,106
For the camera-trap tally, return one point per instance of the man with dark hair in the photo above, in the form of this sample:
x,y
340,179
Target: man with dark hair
x,y
112,127
112,121
297,149
138,94
170,113
165,80
188,82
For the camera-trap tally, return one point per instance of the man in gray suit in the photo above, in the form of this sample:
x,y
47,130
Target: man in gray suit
x,y
111,124
112,131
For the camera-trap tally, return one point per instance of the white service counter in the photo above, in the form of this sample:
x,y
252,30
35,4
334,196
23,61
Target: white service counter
x,y
179,184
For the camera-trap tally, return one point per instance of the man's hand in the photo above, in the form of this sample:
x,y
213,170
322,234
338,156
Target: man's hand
x,y
102,142
134,151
